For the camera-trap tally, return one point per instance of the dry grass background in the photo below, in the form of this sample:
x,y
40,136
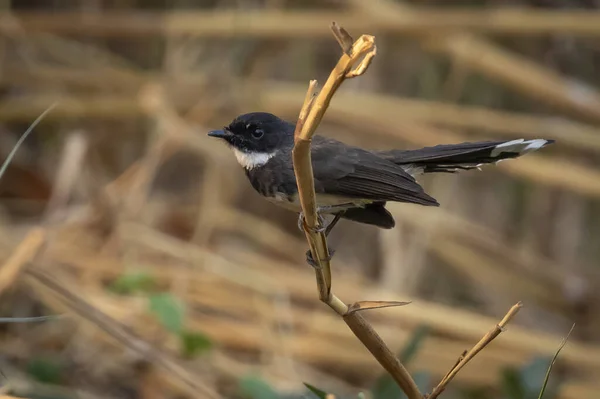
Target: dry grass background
x,y
120,179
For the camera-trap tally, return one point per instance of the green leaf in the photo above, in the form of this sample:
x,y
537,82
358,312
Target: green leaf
x,y
194,343
168,311
531,381
45,370
133,282
414,344
512,385
562,345
475,393
532,376
423,380
386,388
253,387
320,394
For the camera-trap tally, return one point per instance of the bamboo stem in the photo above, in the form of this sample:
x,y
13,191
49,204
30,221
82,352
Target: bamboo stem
x,y
354,62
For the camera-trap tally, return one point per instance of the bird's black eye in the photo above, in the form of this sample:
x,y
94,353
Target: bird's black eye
x,y
257,133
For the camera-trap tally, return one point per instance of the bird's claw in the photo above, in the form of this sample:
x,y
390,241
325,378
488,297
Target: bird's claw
x,y
311,261
302,223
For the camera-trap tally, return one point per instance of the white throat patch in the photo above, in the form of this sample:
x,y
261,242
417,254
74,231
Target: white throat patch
x,y
251,160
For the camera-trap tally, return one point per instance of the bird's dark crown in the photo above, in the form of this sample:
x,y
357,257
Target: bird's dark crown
x,y
258,132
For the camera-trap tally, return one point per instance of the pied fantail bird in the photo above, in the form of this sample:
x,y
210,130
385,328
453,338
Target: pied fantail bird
x,y
351,182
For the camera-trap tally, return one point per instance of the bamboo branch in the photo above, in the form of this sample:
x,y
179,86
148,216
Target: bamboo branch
x,y
466,357
313,112
354,62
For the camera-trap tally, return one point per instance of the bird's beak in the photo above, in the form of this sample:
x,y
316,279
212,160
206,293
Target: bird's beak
x,y
221,134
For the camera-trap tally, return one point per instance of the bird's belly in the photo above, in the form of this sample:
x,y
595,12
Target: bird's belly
x,y
326,203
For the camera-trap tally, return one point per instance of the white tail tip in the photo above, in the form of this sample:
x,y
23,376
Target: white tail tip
x,y
519,146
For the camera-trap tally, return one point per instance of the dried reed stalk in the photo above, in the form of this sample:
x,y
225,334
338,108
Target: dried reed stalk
x,y
422,21
530,78
321,343
359,54
23,254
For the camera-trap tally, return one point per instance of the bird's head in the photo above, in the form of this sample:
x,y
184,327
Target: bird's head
x,y
256,137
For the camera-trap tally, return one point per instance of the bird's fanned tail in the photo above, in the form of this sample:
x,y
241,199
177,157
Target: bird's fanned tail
x,y
451,158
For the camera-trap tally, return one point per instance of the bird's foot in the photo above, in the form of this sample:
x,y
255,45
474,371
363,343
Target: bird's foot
x,y
302,222
311,261
325,228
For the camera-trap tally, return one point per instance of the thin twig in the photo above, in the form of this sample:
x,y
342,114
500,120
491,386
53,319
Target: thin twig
x,y
34,319
483,342
311,93
22,139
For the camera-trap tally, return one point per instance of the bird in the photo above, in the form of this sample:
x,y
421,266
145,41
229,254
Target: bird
x,y
350,182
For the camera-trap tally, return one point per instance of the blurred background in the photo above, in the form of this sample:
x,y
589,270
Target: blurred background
x,y
151,268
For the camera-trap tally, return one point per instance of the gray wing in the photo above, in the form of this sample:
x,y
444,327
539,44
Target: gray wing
x,y
348,171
